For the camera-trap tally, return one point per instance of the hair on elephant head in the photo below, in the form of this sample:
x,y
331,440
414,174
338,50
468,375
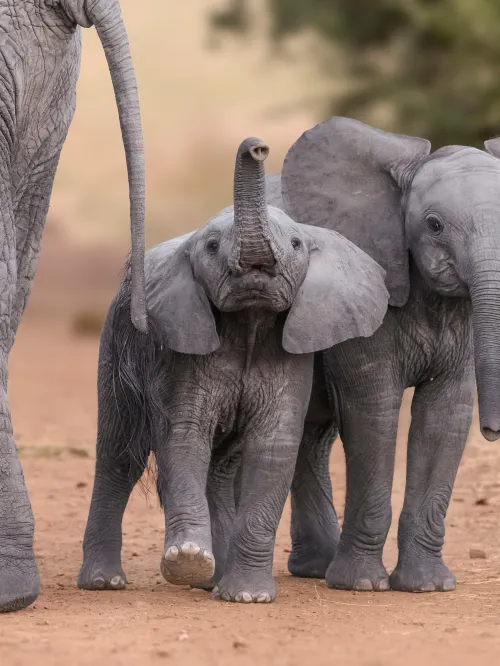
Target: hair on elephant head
x,y
253,256
389,196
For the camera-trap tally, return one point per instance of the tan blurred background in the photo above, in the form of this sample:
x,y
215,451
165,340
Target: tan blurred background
x,y
198,103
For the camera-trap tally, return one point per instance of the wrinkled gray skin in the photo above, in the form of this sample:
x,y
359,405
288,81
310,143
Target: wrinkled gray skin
x,y
40,44
433,222
221,385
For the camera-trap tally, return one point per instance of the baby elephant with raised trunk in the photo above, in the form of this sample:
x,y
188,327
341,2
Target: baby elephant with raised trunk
x,y
221,385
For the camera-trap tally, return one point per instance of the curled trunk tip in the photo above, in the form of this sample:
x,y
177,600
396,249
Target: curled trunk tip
x,y
257,149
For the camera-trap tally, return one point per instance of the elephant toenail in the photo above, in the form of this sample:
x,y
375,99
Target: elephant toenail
x,y
428,587
263,598
449,584
383,585
99,583
117,581
189,548
225,595
363,585
172,554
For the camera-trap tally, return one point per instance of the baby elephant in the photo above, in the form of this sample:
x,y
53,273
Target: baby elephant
x,y
219,387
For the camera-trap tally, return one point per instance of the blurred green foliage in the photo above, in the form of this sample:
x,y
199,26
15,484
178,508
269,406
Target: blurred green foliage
x,y
433,64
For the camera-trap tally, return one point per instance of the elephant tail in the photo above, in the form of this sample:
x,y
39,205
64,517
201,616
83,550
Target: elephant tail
x,y
131,385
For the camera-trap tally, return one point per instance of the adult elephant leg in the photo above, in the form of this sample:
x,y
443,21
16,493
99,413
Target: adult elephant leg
x,y
221,482
31,214
183,466
19,580
370,400
314,527
440,422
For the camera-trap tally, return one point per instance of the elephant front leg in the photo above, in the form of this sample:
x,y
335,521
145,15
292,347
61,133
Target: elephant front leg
x,y
19,580
183,465
441,418
368,432
221,501
266,474
314,526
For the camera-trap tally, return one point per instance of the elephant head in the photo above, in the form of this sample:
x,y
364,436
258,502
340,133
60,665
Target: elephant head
x,y
254,256
106,16
389,196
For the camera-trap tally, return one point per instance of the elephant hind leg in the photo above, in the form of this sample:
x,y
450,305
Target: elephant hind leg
x,y
314,527
122,455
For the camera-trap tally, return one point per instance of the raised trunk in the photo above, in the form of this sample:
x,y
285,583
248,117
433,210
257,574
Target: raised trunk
x,y
250,207
107,18
485,294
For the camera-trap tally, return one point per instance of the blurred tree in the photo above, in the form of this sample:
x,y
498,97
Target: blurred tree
x,y
434,65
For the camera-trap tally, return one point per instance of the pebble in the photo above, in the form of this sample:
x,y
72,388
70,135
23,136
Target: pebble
x,y
477,554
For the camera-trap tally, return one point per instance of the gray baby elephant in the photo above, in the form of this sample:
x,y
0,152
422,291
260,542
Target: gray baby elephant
x,y
221,385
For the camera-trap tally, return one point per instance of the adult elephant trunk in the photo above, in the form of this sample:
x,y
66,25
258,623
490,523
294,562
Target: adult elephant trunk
x,y
485,294
106,16
250,208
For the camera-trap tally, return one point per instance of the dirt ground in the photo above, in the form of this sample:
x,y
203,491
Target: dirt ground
x,y
53,400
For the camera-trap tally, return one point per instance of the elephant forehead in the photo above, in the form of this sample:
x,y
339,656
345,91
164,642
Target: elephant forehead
x,y
450,179
454,163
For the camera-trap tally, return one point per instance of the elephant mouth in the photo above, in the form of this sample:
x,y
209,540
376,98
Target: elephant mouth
x,y
255,289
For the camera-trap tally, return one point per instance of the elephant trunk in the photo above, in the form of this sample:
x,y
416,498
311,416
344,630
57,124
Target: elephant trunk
x,y
484,289
107,18
250,207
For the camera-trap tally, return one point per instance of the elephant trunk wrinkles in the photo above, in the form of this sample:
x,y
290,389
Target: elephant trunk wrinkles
x,y
484,289
250,207
107,18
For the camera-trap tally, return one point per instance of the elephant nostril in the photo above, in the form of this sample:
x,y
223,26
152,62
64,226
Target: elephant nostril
x,y
489,434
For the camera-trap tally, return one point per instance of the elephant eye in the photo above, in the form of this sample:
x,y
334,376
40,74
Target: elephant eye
x,y
434,224
296,243
212,245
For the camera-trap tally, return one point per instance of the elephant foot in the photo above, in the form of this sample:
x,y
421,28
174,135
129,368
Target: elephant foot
x,y
350,571
258,588
208,585
309,561
19,584
100,574
187,564
422,574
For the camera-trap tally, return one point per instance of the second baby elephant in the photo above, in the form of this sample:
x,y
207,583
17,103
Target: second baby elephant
x,y
432,220
221,385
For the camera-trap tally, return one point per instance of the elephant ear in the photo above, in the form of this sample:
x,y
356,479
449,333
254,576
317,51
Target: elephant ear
x,y
343,296
347,176
177,301
273,191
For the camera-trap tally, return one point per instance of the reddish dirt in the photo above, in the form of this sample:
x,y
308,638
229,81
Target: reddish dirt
x,y
53,402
